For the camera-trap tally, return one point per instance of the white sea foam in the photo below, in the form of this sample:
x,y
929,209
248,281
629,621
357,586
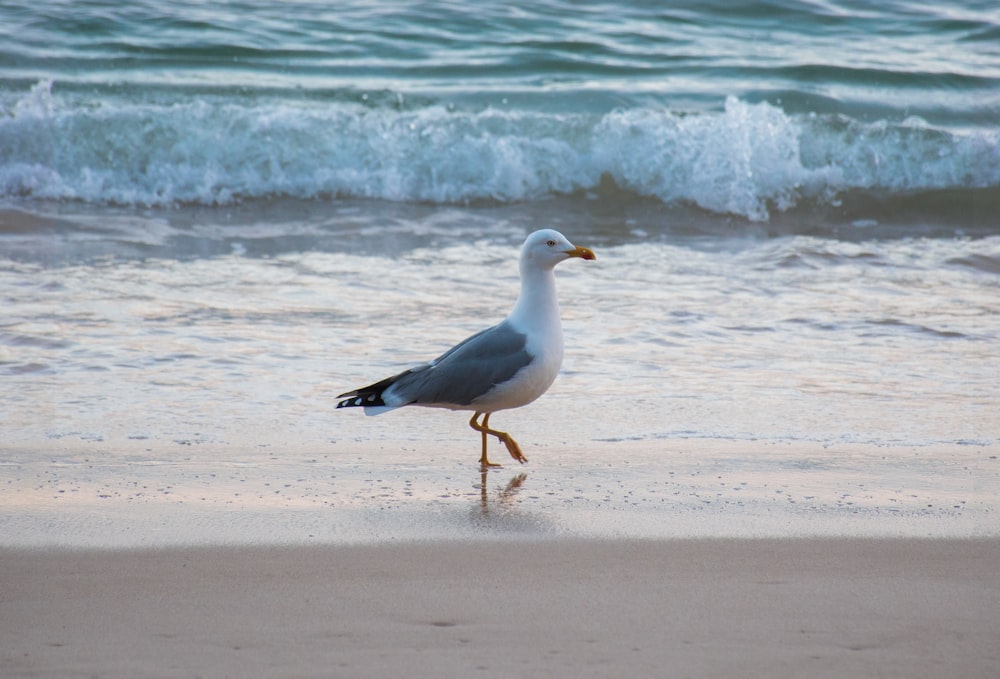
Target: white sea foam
x,y
747,159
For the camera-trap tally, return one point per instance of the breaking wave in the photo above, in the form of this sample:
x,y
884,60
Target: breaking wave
x,y
748,159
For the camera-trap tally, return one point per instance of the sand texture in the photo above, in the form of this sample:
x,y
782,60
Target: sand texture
x,y
684,608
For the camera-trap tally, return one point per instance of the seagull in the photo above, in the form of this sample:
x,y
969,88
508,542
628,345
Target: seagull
x,y
506,366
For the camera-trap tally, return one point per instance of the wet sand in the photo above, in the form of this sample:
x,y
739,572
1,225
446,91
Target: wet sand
x,y
556,608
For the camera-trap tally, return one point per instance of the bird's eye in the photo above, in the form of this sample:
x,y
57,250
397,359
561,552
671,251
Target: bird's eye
x,y
550,243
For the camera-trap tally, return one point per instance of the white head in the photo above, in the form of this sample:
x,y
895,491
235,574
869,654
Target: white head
x,y
546,248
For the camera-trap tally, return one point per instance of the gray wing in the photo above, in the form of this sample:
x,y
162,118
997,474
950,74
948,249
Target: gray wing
x,y
466,371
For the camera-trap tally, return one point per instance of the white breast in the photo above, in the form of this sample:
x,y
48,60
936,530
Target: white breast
x,y
545,345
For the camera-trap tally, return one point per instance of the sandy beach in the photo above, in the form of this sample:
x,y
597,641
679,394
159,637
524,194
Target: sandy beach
x,y
564,608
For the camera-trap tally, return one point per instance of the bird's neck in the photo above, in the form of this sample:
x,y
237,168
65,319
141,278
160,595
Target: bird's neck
x,y
537,304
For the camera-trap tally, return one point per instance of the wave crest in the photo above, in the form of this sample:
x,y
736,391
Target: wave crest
x,y
747,160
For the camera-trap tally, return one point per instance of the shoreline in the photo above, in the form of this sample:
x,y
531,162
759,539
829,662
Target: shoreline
x,y
557,608
80,495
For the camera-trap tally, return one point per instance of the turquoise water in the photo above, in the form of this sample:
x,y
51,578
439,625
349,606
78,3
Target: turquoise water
x,y
745,109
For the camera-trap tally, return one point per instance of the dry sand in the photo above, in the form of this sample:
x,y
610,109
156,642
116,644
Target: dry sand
x,y
555,608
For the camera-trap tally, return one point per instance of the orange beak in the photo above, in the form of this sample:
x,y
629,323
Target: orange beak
x,y
582,253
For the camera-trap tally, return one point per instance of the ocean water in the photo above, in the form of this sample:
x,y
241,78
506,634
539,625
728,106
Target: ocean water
x,y
215,217
744,109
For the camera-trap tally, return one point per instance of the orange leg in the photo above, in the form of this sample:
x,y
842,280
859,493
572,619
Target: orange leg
x,y
505,438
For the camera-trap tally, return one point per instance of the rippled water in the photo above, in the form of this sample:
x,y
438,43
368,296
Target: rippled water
x,y
791,338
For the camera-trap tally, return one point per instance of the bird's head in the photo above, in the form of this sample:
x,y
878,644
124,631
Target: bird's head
x,y
548,247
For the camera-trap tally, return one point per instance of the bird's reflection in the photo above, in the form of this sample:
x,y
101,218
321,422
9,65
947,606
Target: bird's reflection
x,y
500,512
505,497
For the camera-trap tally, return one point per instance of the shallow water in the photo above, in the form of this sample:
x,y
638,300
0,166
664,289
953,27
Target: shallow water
x,y
753,386
792,338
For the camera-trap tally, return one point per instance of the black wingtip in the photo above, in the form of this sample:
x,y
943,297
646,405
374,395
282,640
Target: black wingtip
x,y
370,396
364,399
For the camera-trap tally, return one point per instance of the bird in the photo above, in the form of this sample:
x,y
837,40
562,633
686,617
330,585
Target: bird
x,y
505,366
